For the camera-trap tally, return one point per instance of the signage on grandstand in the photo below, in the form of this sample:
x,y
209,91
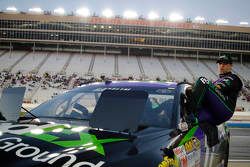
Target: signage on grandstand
x,y
155,23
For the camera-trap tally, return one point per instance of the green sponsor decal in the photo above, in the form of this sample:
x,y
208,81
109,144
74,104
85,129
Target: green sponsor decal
x,y
77,139
189,135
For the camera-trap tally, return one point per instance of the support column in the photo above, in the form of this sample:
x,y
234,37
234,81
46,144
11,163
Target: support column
x,y
57,49
81,50
105,50
241,59
34,47
175,56
10,53
128,53
197,57
33,50
152,54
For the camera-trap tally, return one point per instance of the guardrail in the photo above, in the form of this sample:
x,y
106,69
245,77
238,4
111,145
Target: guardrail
x,y
241,116
239,120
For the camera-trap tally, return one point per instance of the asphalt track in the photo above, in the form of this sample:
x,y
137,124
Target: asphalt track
x,y
239,154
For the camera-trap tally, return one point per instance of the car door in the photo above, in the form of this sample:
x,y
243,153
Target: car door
x,y
213,156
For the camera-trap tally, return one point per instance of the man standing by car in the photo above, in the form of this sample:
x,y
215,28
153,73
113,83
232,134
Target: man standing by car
x,y
214,103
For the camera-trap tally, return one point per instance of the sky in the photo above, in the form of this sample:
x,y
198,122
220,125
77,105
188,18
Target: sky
x,y
234,11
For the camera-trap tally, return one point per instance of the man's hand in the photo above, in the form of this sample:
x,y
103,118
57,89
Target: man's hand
x,y
218,86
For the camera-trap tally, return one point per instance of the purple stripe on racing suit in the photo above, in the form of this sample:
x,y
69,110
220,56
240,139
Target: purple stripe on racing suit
x,y
215,102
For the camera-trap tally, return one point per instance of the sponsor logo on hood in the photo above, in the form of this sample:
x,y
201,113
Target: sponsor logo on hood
x,y
61,135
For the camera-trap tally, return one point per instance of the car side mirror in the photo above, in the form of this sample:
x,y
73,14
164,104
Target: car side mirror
x,y
182,128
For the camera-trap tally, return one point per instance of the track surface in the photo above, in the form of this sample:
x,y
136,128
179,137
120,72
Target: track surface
x,y
239,155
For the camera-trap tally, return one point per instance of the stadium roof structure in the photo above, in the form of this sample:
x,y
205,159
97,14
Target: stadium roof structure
x,y
122,21
117,32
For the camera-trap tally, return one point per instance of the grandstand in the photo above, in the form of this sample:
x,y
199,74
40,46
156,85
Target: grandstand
x,y
177,69
102,65
79,64
129,67
49,54
97,65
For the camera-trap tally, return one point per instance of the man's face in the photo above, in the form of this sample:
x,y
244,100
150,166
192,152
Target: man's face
x,y
224,68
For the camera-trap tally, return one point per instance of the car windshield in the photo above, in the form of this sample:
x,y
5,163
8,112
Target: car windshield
x,y
156,105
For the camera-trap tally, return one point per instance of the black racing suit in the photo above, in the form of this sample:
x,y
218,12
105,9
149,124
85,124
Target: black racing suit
x,y
214,103
218,98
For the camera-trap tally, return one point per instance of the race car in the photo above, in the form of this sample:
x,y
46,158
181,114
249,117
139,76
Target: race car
x,y
111,124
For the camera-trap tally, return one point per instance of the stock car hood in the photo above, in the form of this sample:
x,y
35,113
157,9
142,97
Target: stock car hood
x,y
47,144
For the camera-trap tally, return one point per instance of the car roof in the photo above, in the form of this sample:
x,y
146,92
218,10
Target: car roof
x,y
148,84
